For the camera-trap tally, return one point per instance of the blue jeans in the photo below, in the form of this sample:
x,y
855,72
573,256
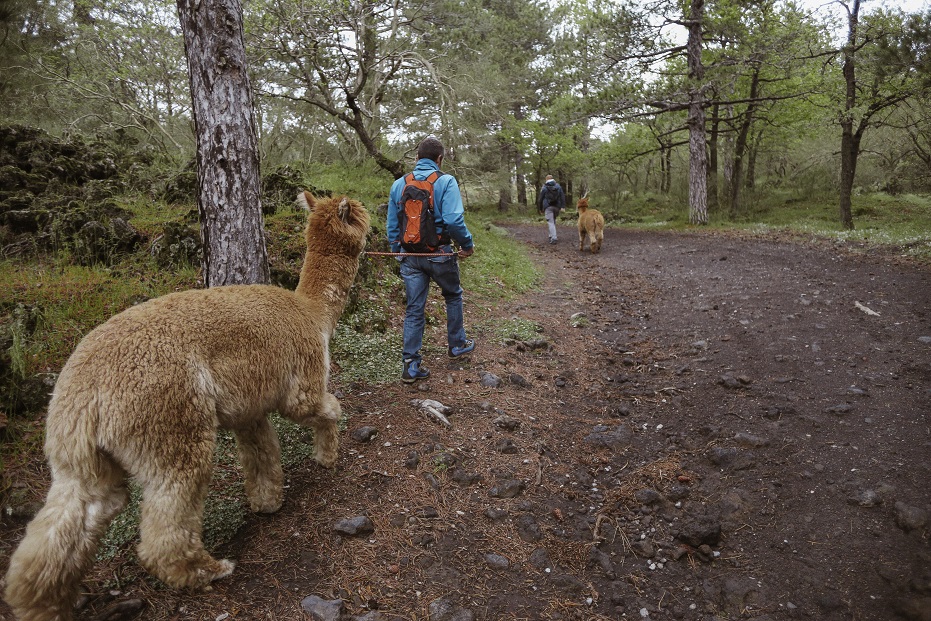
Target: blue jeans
x,y
417,273
551,222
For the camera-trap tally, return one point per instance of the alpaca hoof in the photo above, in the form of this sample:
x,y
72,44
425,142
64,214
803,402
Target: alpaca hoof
x,y
260,505
266,499
326,460
226,568
215,571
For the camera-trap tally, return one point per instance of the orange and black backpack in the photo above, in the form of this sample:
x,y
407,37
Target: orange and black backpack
x,y
415,212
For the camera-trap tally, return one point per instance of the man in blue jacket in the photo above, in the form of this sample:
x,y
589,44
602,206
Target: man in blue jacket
x,y
418,271
550,201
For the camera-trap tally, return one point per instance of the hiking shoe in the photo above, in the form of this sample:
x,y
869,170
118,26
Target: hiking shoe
x,y
413,372
553,240
462,350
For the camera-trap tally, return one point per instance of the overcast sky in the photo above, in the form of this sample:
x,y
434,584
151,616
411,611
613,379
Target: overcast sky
x,y
909,6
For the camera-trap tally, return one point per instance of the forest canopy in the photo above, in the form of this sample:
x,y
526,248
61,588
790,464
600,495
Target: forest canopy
x,y
713,101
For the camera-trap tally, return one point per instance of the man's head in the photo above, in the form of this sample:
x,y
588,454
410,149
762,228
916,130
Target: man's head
x,y
430,148
549,178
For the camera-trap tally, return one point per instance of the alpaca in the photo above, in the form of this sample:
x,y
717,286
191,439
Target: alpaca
x,y
592,224
143,395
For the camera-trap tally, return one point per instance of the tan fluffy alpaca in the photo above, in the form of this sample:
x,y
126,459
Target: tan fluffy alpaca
x,y
143,395
591,224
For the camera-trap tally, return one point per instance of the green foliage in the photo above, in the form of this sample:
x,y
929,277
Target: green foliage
x,y
74,299
371,357
124,529
363,182
899,223
515,328
499,269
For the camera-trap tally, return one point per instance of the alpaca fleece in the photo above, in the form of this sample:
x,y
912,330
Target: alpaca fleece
x,y
143,395
591,225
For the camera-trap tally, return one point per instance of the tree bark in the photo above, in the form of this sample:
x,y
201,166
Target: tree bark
x,y
521,180
740,146
698,157
849,144
713,158
229,193
750,180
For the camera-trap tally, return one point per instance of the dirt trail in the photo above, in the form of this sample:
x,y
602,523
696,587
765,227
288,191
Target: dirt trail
x,y
725,432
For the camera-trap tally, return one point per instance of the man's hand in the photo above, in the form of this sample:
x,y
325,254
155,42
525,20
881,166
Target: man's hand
x,y
466,253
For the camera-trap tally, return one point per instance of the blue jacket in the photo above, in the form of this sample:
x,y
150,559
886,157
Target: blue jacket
x,y
447,207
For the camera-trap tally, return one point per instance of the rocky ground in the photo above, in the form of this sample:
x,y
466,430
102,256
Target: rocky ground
x,y
705,427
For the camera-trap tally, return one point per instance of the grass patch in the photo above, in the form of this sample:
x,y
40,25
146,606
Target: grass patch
x,y
900,224
515,328
372,357
69,300
499,269
367,183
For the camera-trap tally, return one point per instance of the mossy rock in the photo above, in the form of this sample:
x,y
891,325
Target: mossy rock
x,y
14,177
280,187
178,245
22,221
16,200
181,187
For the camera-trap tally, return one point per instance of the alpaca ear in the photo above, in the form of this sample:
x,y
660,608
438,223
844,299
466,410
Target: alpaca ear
x,y
305,200
342,210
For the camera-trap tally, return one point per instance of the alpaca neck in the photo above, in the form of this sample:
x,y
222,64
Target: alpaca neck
x,y
327,280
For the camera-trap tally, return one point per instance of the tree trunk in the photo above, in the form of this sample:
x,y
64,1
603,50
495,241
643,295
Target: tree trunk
x,y
849,148
521,180
849,143
504,199
713,159
740,147
698,158
229,192
750,182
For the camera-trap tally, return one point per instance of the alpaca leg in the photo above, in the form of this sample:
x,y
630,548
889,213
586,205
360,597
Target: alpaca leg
x,y
61,541
260,455
326,434
321,416
171,547
599,237
581,240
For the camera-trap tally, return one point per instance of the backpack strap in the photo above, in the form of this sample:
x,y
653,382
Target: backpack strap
x,y
431,179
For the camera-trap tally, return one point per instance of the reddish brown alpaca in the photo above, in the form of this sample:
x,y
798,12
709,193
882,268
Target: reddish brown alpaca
x,y
591,225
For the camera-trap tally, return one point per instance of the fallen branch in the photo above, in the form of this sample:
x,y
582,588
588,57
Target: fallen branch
x,y
866,310
433,409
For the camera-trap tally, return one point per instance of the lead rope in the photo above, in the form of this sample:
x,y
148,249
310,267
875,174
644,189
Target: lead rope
x,y
412,254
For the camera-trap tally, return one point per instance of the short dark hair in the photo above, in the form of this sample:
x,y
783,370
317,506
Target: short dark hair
x,y
430,148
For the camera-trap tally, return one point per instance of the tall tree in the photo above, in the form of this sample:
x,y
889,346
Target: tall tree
x,y
229,184
344,59
698,159
879,66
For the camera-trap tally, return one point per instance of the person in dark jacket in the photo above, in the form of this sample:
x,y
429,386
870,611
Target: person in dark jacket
x,y
550,201
417,271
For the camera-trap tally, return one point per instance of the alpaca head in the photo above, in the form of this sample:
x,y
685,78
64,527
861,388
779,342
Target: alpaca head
x,y
582,205
335,226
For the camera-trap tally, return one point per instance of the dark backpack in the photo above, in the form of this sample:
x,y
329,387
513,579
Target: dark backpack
x,y
550,196
415,212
